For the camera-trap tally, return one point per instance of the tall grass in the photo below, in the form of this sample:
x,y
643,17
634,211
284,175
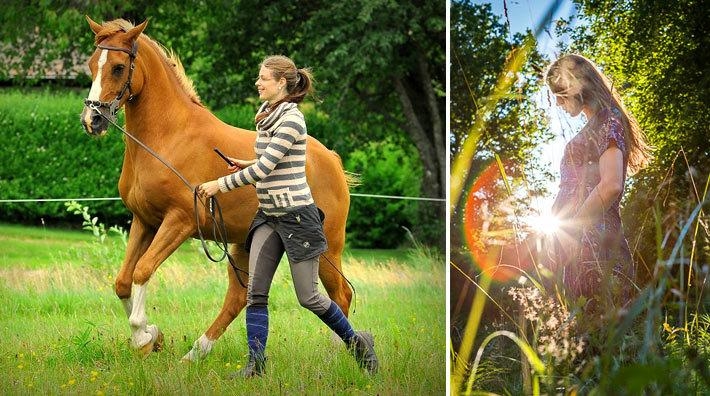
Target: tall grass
x,y
64,331
630,350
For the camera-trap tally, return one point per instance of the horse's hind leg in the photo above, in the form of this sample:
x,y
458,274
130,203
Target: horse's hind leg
x,y
330,272
172,232
330,269
234,302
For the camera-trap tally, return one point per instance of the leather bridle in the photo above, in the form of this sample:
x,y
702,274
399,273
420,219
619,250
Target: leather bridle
x,y
114,104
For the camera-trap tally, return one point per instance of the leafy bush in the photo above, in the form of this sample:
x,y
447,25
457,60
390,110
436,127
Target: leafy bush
x,y
386,168
48,155
241,116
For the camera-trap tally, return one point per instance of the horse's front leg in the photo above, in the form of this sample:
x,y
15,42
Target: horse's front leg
x,y
139,238
172,232
234,302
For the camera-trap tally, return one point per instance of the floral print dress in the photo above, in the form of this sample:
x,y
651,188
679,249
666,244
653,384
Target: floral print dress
x,y
597,259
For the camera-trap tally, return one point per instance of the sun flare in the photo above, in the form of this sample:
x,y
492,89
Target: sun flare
x,y
543,223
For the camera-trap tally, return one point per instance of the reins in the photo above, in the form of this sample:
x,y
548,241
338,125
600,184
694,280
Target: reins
x,y
219,229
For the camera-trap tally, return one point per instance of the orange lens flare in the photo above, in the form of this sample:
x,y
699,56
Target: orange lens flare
x,y
501,262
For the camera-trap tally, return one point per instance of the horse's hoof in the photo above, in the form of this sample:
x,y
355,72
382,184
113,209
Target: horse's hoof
x,y
145,350
189,357
158,344
155,345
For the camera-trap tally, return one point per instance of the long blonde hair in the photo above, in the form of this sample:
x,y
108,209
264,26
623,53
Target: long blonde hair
x,y
574,76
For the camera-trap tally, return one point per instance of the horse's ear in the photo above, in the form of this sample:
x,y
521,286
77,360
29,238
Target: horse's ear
x,y
93,25
136,31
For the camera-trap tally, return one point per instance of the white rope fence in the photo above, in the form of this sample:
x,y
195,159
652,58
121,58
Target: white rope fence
x,y
118,199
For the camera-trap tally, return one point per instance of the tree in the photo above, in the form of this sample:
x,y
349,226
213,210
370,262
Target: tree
x,y
388,59
380,71
656,53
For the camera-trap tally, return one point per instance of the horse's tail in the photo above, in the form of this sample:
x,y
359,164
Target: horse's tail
x,y
351,179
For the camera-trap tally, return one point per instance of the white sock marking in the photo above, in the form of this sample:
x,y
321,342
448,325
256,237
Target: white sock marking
x,y
138,318
200,349
127,305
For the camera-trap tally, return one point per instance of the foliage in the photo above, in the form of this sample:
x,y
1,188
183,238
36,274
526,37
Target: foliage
x,y
47,39
554,330
631,349
376,222
480,47
51,157
625,350
656,52
394,69
479,50
624,355
92,223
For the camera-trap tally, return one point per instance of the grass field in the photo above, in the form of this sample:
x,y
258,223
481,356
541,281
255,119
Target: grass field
x,y
63,331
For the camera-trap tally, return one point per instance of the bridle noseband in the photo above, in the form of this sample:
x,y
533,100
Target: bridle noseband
x,y
114,104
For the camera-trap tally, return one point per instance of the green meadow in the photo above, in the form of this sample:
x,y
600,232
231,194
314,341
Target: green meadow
x,y
63,331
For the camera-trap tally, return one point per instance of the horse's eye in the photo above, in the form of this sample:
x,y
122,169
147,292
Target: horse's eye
x,y
118,70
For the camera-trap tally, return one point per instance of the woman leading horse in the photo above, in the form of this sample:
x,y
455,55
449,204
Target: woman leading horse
x,y
164,113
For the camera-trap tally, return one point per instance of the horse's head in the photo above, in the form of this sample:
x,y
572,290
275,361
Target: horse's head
x,y
112,71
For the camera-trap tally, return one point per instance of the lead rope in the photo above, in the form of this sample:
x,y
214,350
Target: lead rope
x,y
219,229
346,279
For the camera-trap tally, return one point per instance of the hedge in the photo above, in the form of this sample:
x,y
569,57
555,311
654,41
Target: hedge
x,y
47,154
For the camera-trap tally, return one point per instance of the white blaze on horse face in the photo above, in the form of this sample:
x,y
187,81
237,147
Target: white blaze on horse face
x,y
95,92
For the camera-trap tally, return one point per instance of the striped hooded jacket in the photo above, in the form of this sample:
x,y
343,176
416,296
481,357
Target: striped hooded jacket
x,y
280,170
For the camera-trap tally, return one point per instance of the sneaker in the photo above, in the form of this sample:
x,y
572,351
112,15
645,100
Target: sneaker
x,y
363,348
254,368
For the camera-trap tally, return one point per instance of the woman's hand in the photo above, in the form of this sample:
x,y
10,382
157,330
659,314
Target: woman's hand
x,y
611,185
570,235
240,164
208,189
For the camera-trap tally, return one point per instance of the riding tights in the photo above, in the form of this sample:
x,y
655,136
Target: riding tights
x,y
264,256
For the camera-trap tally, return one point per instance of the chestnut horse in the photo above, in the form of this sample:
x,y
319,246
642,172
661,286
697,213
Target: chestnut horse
x,y
162,111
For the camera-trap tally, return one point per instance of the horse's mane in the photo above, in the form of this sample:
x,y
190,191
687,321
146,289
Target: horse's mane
x,y
121,25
